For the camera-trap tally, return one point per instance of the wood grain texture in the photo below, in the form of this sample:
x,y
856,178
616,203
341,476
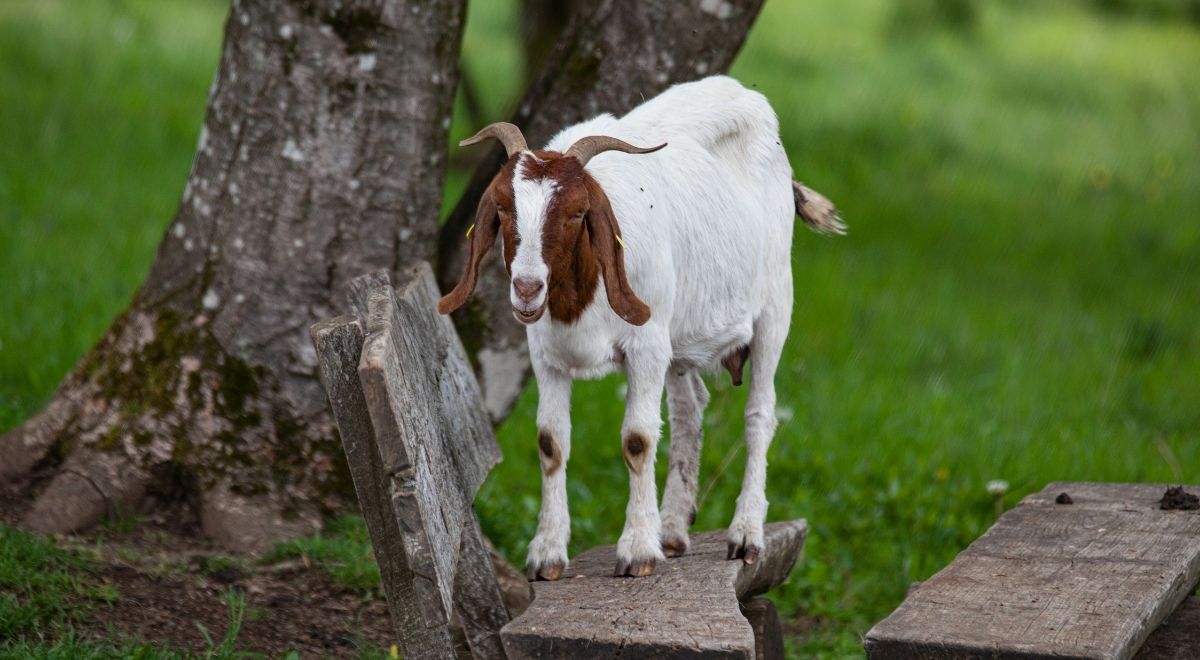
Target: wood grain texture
x,y
419,446
478,603
338,344
1085,580
435,443
768,631
687,609
1178,638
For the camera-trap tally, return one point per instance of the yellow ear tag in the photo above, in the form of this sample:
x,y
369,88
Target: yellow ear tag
x,y
470,229
618,237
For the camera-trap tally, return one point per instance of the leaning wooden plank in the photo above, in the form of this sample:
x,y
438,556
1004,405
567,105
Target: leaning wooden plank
x,y
1178,638
436,446
687,609
478,603
439,371
338,344
1089,579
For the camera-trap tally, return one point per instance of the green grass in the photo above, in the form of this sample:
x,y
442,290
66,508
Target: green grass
x,y
343,550
43,587
1017,298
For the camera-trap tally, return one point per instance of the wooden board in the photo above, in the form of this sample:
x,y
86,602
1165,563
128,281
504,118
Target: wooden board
x,y
1090,579
418,445
1178,638
435,442
687,609
339,344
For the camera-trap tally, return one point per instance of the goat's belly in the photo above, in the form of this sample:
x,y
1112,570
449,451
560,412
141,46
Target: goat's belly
x,y
705,352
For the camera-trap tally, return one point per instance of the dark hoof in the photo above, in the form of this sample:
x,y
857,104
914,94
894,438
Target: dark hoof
x,y
641,568
735,551
674,547
751,554
747,553
547,572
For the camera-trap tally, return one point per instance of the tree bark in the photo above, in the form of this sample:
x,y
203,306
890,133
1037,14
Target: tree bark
x,y
321,157
608,60
542,23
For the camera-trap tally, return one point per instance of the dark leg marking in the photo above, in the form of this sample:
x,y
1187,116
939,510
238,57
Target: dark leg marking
x,y
735,362
635,452
551,456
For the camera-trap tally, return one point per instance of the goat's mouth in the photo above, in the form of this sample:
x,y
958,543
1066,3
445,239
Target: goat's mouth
x,y
530,316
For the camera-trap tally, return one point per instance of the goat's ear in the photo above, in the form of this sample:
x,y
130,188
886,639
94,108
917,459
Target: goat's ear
x,y
487,225
604,233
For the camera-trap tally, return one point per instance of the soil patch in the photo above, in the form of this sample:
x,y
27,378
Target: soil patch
x,y
172,583
287,608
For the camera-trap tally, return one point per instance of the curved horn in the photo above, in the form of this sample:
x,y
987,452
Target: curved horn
x,y
586,147
508,134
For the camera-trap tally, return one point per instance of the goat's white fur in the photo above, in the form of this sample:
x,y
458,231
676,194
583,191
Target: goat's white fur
x,y
707,223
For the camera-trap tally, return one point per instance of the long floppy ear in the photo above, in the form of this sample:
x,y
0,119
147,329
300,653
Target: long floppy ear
x,y
603,232
487,224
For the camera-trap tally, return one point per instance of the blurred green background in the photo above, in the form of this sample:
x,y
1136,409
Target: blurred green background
x,y
1018,297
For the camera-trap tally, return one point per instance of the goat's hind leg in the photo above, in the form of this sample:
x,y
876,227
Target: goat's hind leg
x,y
686,398
770,331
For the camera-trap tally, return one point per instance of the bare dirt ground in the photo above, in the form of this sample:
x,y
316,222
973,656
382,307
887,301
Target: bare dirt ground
x,y
171,584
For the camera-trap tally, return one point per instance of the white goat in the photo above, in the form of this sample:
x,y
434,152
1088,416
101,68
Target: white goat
x,y
704,240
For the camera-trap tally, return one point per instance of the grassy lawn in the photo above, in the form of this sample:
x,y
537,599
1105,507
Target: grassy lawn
x,y
1017,298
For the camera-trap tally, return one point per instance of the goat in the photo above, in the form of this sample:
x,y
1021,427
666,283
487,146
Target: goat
x,y
696,273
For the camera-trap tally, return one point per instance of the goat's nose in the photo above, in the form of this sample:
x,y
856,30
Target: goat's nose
x,y
527,289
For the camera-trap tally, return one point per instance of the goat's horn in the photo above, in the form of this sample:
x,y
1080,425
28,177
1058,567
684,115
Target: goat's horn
x,y
508,134
586,147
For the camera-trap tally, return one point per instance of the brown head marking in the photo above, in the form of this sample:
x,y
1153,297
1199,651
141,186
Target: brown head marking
x,y
580,236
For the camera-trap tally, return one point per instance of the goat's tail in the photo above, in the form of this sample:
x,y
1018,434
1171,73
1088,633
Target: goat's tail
x,y
817,211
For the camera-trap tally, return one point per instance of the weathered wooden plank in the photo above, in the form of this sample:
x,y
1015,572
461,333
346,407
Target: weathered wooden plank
x,y
687,609
1178,638
768,631
440,376
338,345
1085,580
434,440
478,603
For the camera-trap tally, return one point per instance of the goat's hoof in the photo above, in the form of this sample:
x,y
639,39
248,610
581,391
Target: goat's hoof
x,y
674,547
636,568
747,552
549,571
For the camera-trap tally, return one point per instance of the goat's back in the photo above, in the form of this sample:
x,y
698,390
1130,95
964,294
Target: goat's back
x,y
707,220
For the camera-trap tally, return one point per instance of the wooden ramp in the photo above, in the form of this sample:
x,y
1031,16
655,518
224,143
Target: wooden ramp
x,y
1090,579
689,608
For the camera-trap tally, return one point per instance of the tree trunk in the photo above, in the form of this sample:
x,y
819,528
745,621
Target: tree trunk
x,y
542,23
321,157
608,60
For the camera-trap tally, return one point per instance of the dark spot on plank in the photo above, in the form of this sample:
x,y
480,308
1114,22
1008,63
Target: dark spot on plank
x,y
1178,499
1063,498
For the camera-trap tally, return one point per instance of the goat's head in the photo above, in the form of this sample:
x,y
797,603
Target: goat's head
x,y
558,229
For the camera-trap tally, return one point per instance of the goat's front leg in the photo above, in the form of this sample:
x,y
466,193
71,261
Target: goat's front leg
x,y
638,548
548,551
